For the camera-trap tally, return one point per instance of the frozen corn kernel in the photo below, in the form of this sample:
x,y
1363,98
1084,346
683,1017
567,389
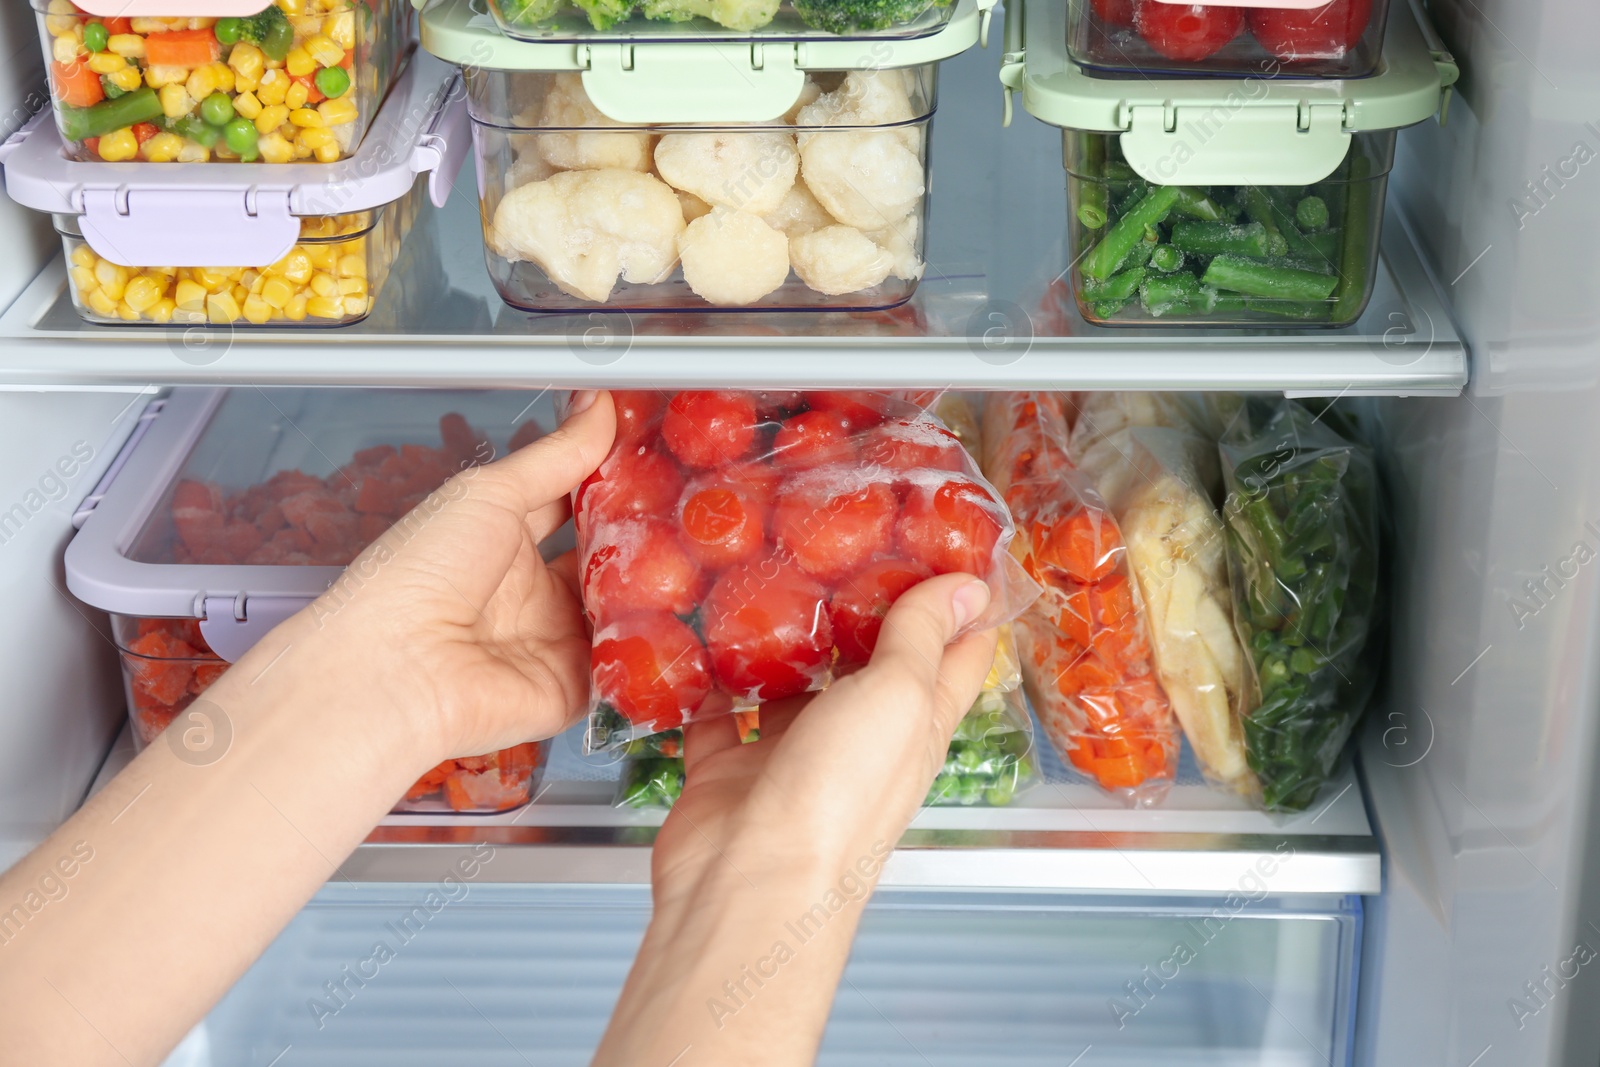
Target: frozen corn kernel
x,y
222,308
119,146
274,87
299,63
355,306
64,50
159,77
306,117
295,310
163,148
271,117
126,45
328,153
141,294
338,112
352,287
257,310
202,83
162,311
352,266
190,295
194,153
275,149
324,285
83,256
102,305
246,60
107,63
127,314
296,266
325,307
247,105
277,293
297,96
341,29
127,79
113,279
176,101
215,280
324,51
83,280
316,137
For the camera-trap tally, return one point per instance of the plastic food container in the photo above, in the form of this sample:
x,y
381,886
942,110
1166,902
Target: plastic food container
x,y
298,80
228,511
297,245
701,175
587,19
1284,254
1221,201
1283,38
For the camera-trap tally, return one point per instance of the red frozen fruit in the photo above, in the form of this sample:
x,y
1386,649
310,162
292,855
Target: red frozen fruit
x,y
767,629
638,481
723,523
1327,32
832,527
813,438
861,409
652,668
1114,12
638,413
863,599
950,526
640,566
1186,32
908,445
708,429
760,478
779,403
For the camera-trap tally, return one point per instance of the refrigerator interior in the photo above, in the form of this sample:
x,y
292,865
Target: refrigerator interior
x,y
1477,768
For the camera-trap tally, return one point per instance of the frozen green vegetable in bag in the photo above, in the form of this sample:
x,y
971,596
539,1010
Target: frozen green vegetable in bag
x,y
652,782
991,755
1302,522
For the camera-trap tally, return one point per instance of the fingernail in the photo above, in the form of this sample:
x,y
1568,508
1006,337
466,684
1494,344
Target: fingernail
x,y
969,602
581,401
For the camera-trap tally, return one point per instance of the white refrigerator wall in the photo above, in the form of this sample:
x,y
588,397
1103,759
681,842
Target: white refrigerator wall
x,y
1481,767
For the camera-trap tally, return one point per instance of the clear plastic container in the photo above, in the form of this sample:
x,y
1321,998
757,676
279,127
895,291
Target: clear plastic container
x,y
332,277
1223,255
299,81
546,20
1292,38
167,666
824,209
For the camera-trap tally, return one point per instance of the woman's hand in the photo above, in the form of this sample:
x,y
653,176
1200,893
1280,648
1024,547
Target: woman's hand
x,y
452,616
739,964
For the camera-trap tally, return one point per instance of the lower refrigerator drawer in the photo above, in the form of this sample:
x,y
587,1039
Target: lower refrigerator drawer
x,y
469,971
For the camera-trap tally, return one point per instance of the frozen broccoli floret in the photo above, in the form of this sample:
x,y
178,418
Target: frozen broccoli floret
x,y
604,14
530,12
269,30
734,14
851,16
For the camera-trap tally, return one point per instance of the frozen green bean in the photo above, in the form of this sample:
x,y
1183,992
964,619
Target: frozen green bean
x,y
1217,238
1128,231
1254,277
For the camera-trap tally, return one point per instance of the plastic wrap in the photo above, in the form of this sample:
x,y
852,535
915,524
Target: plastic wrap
x,y
1160,483
991,755
1085,654
737,548
1302,518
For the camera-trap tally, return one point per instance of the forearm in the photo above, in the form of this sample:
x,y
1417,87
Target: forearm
x,y
164,906
744,969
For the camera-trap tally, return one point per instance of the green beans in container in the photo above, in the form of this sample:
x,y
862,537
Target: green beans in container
x,y
1302,521
1223,255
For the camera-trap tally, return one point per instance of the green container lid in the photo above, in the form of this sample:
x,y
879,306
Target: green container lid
x,y
1226,131
651,81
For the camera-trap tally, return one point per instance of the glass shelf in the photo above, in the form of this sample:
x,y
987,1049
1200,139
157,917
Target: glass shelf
x,y
986,315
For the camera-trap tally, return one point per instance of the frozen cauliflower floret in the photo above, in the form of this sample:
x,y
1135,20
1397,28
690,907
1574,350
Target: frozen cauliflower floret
x,y
585,227
748,170
866,98
693,206
900,241
839,259
867,179
809,91
527,165
799,212
733,258
567,105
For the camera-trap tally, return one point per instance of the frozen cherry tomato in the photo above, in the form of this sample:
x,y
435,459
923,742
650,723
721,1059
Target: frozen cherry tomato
x,y
723,523
652,668
861,409
1326,32
638,413
760,478
1114,12
813,438
777,404
949,526
640,567
767,630
907,445
1186,31
832,531
863,599
708,429
637,482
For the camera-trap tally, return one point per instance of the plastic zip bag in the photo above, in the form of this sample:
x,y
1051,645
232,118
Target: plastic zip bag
x,y
737,548
1086,658
1160,483
1303,557
991,755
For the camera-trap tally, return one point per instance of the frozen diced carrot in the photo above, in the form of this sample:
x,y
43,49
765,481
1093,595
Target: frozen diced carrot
x,y
285,484
205,675
367,457
198,528
371,527
332,528
377,497
461,441
455,793
192,494
240,538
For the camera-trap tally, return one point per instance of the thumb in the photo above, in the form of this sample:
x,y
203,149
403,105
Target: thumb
x,y
926,619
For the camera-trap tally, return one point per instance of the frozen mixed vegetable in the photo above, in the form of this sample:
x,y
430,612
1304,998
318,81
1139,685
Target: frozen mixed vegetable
x,y
833,16
167,665
296,81
651,782
1086,658
737,548
991,755
1301,514
593,203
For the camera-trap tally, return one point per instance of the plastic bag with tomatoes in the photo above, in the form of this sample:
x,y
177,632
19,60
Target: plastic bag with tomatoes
x,y
1086,658
741,547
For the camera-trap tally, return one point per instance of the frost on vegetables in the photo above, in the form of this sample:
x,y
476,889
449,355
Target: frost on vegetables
x,y
594,205
1302,519
737,548
293,82
1085,656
